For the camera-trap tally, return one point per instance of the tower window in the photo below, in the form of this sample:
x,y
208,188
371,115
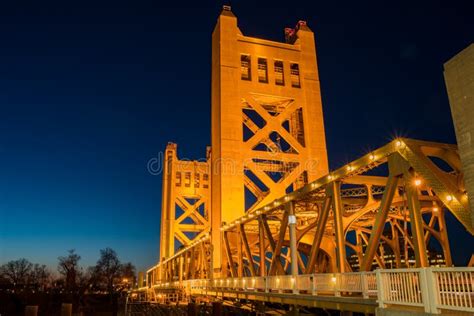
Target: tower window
x,y
178,179
295,75
262,70
205,180
279,77
245,67
197,180
187,179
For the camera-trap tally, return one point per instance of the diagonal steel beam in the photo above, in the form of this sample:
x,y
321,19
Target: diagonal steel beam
x,y
261,244
318,235
271,241
248,253
416,221
268,232
379,224
281,237
229,255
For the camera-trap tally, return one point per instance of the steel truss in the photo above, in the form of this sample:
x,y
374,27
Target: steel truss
x,y
390,203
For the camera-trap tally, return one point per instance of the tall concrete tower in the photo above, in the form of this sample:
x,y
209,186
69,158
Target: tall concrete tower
x,y
459,77
268,134
185,205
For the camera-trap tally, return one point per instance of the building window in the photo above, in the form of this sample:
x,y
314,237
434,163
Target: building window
x,y
197,180
205,180
262,70
279,78
245,67
187,179
178,179
295,75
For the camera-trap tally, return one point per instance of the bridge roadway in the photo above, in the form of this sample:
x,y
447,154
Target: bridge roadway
x,y
339,303
407,291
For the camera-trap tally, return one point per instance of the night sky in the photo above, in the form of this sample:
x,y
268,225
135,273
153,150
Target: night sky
x,y
90,91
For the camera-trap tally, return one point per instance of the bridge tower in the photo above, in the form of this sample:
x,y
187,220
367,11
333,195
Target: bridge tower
x,y
459,77
185,210
267,123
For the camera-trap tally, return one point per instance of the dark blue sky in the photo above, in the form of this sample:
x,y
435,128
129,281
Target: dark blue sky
x,y
89,92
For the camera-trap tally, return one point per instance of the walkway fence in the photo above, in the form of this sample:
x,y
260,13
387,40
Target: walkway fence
x,y
431,289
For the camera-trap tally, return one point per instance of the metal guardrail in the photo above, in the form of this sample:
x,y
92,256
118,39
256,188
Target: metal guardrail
x,y
431,289
362,283
455,288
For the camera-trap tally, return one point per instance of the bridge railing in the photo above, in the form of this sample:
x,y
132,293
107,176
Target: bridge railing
x,y
432,289
455,288
325,283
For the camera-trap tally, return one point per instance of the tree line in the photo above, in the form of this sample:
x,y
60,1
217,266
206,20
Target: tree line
x,y
108,275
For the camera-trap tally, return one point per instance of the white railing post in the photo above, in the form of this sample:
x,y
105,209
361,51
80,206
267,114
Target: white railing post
x,y
432,291
365,285
425,294
380,288
338,278
313,284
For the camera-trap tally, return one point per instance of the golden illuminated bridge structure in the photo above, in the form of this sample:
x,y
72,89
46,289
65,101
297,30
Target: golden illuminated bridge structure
x,y
263,225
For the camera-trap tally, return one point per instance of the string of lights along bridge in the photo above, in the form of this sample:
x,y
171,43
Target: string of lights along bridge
x,y
264,226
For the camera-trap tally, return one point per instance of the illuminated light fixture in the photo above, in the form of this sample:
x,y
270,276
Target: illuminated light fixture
x,y
417,182
287,198
435,209
333,279
350,168
251,215
313,185
449,198
258,212
398,143
329,177
372,157
237,222
266,208
276,203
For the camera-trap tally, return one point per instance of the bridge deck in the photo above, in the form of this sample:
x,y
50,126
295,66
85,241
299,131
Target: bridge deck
x,y
432,290
341,303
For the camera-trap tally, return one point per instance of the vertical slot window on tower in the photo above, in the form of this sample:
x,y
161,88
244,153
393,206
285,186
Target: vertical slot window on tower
x,y
262,70
295,75
245,67
178,179
279,78
187,179
197,180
